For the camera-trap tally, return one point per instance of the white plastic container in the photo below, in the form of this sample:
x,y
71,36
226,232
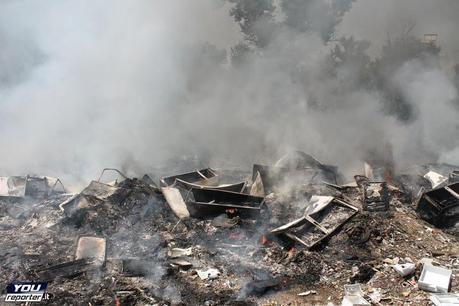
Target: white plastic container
x,y
435,279
445,299
353,296
405,269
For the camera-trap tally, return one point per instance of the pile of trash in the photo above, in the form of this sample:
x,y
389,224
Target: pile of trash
x,y
293,232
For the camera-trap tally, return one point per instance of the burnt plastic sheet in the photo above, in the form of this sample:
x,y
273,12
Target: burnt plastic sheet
x,y
206,177
440,206
313,228
203,203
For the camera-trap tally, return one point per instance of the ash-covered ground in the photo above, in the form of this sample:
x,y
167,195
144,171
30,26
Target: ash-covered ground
x,y
154,258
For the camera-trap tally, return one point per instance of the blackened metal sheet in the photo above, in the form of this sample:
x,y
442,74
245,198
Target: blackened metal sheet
x,y
210,203
203,177
236,187
440,206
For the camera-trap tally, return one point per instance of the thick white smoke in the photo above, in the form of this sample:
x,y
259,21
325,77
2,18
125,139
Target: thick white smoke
x,y
92,84
88,84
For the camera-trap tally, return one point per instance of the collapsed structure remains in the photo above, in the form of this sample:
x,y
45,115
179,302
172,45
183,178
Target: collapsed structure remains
x,y
288,234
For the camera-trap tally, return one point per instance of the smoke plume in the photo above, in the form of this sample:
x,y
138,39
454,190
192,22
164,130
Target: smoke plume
x,y
91,84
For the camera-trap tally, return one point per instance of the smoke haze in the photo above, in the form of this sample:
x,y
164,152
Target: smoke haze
x,y
90,84
376,20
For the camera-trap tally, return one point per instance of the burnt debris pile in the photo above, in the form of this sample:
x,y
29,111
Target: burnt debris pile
x,y
292,232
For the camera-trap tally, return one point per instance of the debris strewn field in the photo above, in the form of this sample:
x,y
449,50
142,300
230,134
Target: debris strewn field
x,y
290,234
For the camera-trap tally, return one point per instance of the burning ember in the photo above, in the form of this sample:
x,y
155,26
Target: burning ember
x,y
264,240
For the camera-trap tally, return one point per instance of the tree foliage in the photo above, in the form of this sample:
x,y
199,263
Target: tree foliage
x,y
253,16
394,54
348,61
315,15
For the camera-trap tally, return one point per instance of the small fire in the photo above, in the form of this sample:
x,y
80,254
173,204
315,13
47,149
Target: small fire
x,y
291,252
388,176
231,211
264,240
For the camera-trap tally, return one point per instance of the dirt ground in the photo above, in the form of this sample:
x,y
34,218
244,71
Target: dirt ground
x,y
254,266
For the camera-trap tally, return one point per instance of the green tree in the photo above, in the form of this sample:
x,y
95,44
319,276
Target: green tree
x,y
255,18
315,15
350,54
394,54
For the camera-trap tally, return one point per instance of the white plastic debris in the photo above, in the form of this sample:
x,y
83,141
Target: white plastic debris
x,y
435,279
181,263
175,201
445,299
435,179
178,252
427,261
376,295
353,289
405,269
306,293
211,273
354,300
353,296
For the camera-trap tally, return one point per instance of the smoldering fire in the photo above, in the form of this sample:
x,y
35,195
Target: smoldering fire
x,y
168,87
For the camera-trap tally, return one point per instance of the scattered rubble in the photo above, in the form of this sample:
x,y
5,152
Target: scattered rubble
x,y
288,233
376,196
